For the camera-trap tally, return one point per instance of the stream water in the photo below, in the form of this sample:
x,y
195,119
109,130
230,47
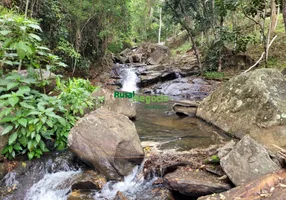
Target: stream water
x,y
158,128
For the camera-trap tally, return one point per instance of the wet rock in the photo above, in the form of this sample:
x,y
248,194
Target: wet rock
x,y
270,187
81,195
194,183
108,141
3,142
119,105
185,88
252,103
160,194
89,180
120,196
3,170
153,77
188,108
247,161
223,151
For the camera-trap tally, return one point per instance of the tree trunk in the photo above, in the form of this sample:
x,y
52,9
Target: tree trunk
x,y
160,26
220,52
284,13
271,26
26,9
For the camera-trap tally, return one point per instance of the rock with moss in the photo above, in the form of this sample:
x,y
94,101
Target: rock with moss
x,y
252,103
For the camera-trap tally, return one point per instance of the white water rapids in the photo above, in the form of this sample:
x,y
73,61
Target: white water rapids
x,y
57,186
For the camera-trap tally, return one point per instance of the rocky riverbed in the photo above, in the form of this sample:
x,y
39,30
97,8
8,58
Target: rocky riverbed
x,y
124,150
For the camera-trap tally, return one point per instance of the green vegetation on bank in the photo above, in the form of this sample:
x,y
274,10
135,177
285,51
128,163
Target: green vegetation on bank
x,y
29,116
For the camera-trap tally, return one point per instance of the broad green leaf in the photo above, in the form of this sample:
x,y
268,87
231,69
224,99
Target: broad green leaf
x,y
23,122
12,85
10,148
38,138
5,32
12,138
50,123
13,101
52,114
7,62
8,119
31,155
7,130
62,121
35,26
24,141
30,144
18,147
5,150
25,105
23,49
23,90
33,113
36,37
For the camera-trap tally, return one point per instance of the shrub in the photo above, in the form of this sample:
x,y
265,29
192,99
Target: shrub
x,y
32,118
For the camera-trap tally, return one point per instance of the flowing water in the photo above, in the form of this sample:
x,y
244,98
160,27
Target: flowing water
x,y
53,186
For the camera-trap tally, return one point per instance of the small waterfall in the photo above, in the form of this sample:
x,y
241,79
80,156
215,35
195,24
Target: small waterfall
x,y
130,80
53,186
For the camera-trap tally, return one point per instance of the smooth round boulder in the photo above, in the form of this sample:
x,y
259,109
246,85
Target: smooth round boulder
x,y
108,141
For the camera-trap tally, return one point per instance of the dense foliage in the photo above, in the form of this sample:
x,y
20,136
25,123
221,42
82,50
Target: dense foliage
x,y
30,117
34,118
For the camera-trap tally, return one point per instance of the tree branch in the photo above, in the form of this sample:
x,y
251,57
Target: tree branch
x,y
262,56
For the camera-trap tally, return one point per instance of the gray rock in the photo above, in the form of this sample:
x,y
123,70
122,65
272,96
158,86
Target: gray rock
x,y
247,161
252,103
223,151
188,108
122,106
185,88
108,141
192,183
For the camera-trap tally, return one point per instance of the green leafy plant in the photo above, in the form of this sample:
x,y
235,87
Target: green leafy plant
x,y
32,118
29,117
76,94
214,75
22,46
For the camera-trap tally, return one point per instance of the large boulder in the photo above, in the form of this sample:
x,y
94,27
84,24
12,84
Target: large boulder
x,y
108,141
252,103
195,183
247,161
120,105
